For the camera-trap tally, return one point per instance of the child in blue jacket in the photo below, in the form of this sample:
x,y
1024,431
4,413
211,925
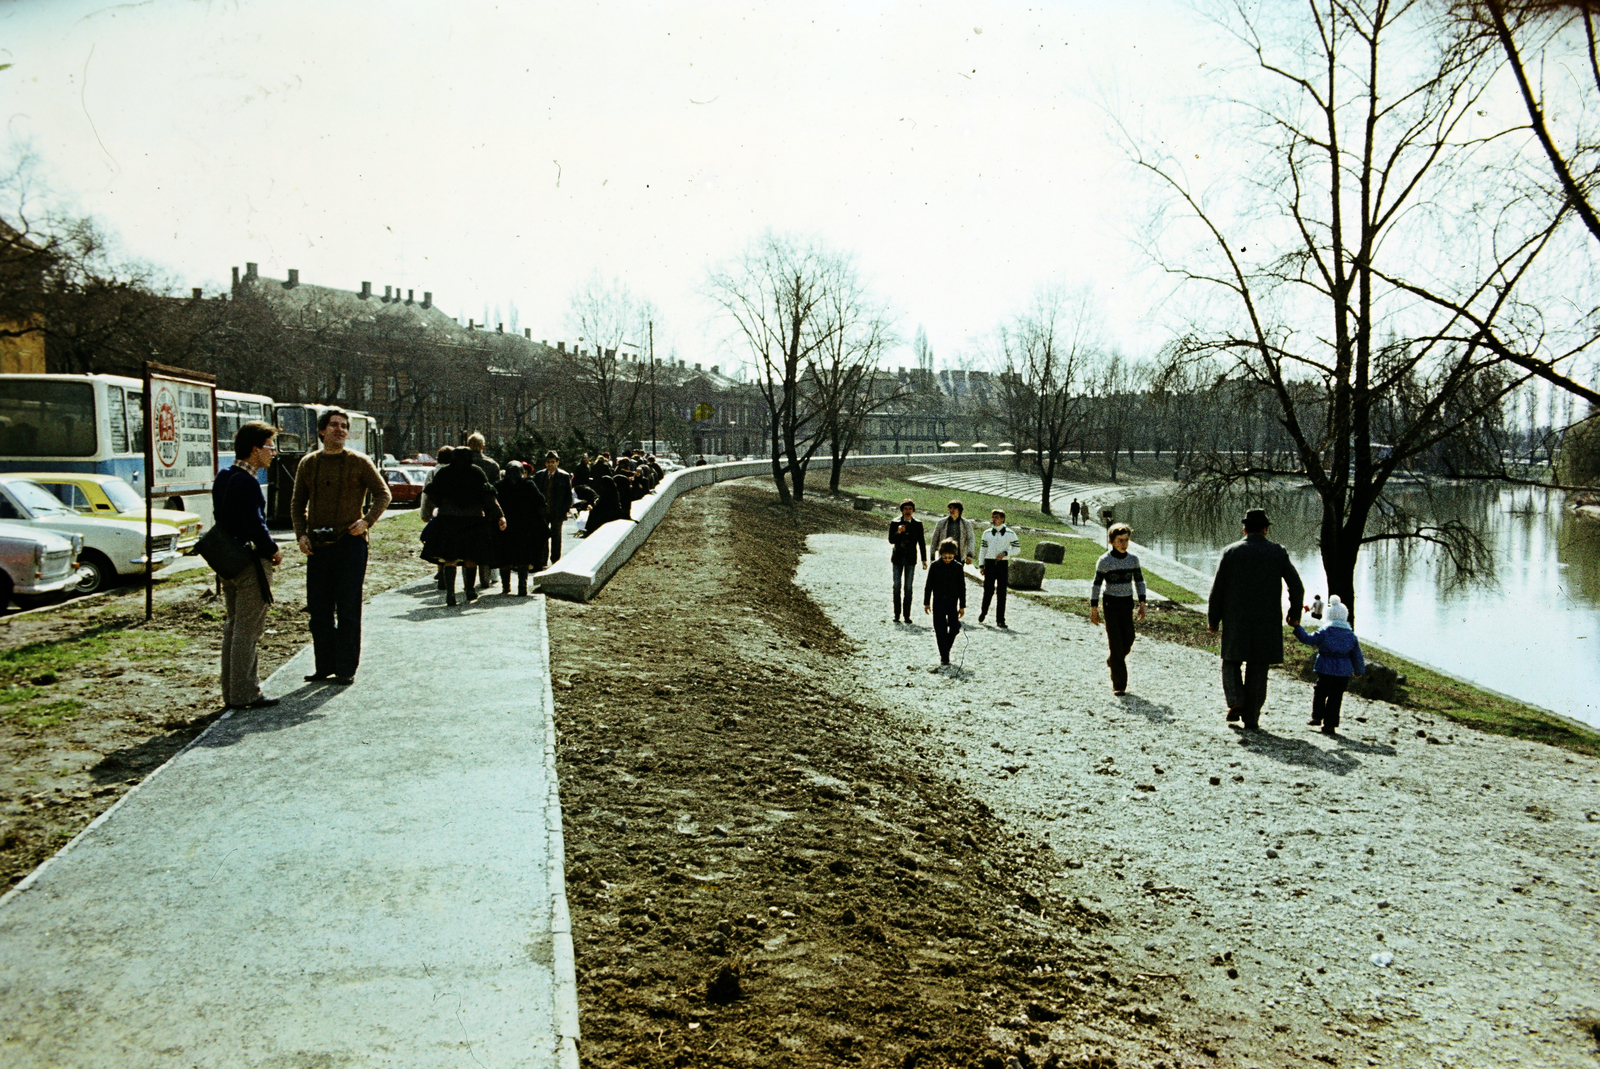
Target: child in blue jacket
x,y
1338,660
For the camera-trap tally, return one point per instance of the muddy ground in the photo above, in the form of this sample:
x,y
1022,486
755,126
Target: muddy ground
x,y
763,872
93,698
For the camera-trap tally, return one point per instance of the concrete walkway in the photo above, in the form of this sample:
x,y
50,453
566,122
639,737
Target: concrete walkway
x,y
361,876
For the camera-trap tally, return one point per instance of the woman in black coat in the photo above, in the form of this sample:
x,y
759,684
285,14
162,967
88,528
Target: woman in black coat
x,y
525,541
462,516
607,503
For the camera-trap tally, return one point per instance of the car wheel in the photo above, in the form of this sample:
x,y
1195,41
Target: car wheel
x,y
5,591
175,503
94,572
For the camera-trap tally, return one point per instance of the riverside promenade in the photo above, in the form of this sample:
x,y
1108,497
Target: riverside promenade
x,y
361,876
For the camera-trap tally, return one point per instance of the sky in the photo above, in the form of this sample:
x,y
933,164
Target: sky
x,y
499,155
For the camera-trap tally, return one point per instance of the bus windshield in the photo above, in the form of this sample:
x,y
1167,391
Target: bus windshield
x,y
46,419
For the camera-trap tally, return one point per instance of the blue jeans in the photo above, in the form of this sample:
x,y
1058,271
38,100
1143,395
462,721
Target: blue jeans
x,y
906,570
334,577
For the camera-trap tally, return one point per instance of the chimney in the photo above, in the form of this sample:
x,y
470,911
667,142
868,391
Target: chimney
x,y
250,271
545,342
611,354
697,367
561,346
195,293
427,298
294,278
527,332
471,323
411,296
680,363
715,370
366,290
235,278
386,301
499,328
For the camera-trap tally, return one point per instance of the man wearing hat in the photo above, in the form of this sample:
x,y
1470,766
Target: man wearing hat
x,y
1246,600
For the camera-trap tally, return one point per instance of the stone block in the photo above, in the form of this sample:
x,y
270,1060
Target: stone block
x,y
1050,552
1381,683
1026,575
863,504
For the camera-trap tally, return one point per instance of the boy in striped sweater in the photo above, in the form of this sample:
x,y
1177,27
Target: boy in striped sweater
x,y
1119,573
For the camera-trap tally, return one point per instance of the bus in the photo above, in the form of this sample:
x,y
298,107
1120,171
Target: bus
x,y
95,423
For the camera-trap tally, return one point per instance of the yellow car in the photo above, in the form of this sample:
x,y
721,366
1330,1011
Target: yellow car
x,y
112,498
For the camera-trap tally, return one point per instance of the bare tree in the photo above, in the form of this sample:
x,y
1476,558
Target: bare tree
x,y
1340,253
783,296
1044,354
611,390
840,377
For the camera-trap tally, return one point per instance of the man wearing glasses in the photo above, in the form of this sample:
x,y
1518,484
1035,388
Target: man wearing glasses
x,y
330,488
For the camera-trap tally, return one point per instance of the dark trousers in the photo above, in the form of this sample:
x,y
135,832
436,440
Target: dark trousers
x,y
334,577
555,537
995,575
904,570
1326,699
1118,613
946,625
1246,693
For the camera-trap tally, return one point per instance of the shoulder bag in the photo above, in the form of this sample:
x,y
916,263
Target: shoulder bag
x,y
225,556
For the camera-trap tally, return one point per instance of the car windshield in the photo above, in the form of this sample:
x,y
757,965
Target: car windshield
x,y
124,498
396,476
36,498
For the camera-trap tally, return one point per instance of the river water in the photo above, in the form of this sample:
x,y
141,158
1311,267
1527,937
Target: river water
x,y
1530,630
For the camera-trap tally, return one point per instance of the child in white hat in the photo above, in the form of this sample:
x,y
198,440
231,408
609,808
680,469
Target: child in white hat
x,y
1338,661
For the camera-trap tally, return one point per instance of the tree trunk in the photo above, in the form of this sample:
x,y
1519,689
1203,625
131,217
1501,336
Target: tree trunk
x,y
835,472
1047,475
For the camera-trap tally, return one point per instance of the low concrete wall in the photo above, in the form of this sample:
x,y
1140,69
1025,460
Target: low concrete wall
x,y
580,573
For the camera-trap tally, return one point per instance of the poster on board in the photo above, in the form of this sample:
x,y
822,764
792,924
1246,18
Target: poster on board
x,y
183,442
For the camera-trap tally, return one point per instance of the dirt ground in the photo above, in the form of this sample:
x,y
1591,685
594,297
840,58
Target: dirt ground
x,y
762,872
93,697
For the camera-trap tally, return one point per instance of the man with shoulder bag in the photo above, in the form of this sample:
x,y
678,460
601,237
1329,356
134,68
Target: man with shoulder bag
x,y
330,487
241,550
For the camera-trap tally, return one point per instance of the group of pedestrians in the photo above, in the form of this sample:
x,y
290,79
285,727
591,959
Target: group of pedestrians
x,y
1245,602
606,489
338,495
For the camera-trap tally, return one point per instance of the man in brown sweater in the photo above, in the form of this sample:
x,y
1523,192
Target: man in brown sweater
x,y
330,488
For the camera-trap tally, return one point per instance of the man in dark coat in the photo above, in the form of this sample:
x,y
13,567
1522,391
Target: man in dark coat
x,y
556,486
1246,600
491,471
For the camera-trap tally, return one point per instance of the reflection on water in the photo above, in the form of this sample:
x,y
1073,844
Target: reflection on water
x,y
1532,630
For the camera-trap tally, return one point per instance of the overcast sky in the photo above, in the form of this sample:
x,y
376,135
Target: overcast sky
x,y
498,154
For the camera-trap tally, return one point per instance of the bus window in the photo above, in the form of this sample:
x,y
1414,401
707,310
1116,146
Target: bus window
x,y
249,410
116,417
47,419
136,421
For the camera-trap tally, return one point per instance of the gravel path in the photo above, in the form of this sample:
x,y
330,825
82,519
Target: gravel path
x,y
1267,871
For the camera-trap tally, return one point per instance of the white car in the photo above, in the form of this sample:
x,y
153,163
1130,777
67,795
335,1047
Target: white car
x,y
111,548
35,563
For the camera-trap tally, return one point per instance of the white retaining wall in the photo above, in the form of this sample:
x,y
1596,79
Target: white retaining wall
x,y
580,573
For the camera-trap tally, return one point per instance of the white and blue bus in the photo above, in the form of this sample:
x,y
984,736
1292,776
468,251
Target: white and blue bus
x,y
95,423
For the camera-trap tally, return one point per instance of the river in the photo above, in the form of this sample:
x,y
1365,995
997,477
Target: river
x,y
1530,630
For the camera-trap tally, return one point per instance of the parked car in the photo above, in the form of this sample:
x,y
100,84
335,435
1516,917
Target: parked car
x,y
109,495
405,487
35,564
111,548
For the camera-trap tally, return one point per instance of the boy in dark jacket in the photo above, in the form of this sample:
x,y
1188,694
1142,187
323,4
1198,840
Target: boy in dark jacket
x,y
905,535
1338,659
944,594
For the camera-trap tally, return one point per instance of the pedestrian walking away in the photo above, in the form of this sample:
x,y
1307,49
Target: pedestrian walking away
x,y
959,530
462,515
909,545
1246,603
556,486
491,471
944,595
1338,661
999,545
1118,572
524,542
240,509
1074,512
330,487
